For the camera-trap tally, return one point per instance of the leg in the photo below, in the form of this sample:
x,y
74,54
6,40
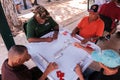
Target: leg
x,y
108,23
35,2
18,8
25,4
49,0
32,2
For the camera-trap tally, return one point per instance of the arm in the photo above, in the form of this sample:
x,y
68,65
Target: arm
x,y
50,68
79,72
74,32
78,28
93,39
89,50
56,31
48,39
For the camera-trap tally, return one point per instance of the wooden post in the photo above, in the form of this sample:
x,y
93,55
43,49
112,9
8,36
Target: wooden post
x,y
5,30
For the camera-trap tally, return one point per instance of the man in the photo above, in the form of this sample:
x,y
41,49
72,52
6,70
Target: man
x,y
110,14
101,2
109,61
34,2
49,0
41,24
14,69
90,27
18,5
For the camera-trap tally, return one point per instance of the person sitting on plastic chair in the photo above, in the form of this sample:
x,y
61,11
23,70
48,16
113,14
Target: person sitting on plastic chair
x,y
109,61
90,27
110,14
40,24
13,68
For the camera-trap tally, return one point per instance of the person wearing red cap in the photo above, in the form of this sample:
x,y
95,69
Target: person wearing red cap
x,y
90,27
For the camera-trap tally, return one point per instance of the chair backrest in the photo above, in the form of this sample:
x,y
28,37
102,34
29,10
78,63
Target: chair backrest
x,y
25,28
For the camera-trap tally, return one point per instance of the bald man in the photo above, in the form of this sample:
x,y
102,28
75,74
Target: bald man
x,y
14,69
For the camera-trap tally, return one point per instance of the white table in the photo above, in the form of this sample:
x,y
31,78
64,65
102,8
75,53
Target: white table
x,y
63,52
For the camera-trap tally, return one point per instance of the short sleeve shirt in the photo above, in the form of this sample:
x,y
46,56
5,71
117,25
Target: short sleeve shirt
x,y
20,72
101,76
110,10
89,30
36,30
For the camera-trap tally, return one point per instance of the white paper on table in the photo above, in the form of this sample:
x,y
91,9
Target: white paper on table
x,y
85,62
44,61
69,55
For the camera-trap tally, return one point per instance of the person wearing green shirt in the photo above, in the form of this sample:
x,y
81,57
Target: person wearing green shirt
x,y
40,24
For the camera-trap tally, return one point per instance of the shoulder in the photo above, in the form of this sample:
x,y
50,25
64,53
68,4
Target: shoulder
x,y
52,21
85,18
5,64
7,67
104,5
31,21
50,18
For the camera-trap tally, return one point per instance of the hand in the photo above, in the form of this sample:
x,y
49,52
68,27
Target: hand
x,y
85,40
73,35
77,44
49,39
55,36
51,67
78,70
